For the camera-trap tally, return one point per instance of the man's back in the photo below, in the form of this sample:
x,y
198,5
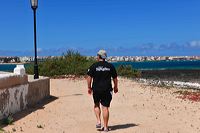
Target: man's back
x,y
101,72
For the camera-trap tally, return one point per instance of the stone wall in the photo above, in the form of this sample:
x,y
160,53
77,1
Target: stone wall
x,y
17,92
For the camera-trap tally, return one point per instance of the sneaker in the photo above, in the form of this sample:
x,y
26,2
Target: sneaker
x,y
105,130
98,125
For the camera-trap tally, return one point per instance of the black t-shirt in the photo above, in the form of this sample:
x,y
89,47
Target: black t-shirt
x,y
101,72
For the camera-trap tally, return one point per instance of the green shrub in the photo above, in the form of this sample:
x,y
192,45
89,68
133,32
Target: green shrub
x,y
70,63
73,63
7,121
128,71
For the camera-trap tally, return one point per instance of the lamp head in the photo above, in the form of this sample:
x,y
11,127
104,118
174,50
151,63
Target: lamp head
x,y
34,4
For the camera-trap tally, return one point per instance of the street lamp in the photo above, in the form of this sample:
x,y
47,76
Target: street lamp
x,y
34,5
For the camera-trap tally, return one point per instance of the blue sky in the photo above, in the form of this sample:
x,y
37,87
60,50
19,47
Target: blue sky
x,y
122,27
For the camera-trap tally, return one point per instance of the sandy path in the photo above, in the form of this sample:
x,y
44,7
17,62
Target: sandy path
x,y
135,109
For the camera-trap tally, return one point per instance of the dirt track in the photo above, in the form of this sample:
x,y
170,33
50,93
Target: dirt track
x,y
135,109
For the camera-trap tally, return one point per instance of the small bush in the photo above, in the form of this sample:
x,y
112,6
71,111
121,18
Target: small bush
x,y
1,130
73,63
128,71
7,121
40,126
70,63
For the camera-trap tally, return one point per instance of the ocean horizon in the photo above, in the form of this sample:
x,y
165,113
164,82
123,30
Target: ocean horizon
x,y
144,65
163,65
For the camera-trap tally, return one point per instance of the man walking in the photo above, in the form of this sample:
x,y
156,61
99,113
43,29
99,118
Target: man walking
x,y
99,75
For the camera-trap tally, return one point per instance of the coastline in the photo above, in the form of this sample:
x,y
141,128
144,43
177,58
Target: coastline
x,y
167,84
13,63
162,65
152,61
190,75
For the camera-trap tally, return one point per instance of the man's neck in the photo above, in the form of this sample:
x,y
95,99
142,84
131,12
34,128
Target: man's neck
x,y
101,60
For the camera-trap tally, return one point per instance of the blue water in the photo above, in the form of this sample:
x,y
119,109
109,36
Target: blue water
x,y
8,67
148,65
162,65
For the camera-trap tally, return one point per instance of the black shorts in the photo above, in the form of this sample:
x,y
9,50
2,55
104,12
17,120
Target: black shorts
x,y
103,97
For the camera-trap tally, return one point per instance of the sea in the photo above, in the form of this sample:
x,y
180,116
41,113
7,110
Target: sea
x,y
9,67
145,65
163,65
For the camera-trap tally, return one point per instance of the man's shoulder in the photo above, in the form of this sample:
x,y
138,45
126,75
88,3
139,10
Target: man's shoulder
x,y
94,64
109,64
105,63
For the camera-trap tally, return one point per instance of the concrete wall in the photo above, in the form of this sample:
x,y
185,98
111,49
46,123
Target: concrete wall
x,y
8,80
17,92
38,90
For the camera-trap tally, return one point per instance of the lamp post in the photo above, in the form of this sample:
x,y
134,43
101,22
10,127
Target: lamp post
x,y
34,5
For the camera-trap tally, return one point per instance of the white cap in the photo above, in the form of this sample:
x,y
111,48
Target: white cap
x,y
102,53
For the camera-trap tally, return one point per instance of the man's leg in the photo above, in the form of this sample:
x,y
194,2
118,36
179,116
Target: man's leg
x,y
105,117
97,112
105,101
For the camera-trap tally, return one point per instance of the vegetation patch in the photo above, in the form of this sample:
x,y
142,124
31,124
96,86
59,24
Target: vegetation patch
x,y
186,95
128,71
1,130
72,65
40,126
7,121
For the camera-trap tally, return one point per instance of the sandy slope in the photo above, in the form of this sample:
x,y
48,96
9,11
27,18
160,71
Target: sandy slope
x,y
135,109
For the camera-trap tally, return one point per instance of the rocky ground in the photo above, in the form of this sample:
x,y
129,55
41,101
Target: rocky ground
x,y
173,75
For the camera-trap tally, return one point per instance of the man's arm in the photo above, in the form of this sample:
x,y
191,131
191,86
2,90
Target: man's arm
x,y
115,85
89,81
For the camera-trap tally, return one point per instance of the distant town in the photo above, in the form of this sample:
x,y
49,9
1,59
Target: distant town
x,y
150,58
24,59
28,59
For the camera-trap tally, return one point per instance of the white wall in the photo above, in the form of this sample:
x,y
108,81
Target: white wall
x,y
14,100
